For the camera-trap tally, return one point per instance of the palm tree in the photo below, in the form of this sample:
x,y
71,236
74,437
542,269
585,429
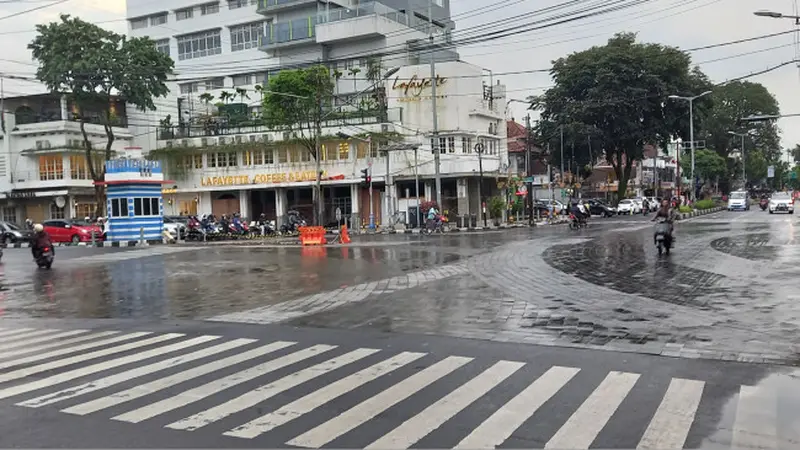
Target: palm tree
x,y
337,74
206,98
260,89
354,71
242,94
226,96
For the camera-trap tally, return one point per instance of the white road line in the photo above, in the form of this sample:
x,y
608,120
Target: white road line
x,y
366,410
28,371
432,417
26,335
4,334
172,380
134,373
37,340
586,423
68,350
506,420
756,419
322,396
674,417
201,392
99,367
267,391
59,343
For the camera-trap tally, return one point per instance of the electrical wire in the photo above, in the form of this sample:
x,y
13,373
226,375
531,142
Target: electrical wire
x,y
17,14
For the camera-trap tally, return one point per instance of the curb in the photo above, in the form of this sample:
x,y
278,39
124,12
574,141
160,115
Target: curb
x,y
468,230
89,244
701,212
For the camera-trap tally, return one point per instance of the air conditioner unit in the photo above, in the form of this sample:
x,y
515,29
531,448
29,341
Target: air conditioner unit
x,y
169,144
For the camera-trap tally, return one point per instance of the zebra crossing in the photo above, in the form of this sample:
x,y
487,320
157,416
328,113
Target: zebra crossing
x,y
315,395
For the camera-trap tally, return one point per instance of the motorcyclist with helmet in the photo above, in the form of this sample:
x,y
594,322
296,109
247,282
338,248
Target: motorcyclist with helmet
x,y
669,214
41,239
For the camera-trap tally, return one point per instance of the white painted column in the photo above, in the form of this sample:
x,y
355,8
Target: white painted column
x,y
281,205
64,112
355,205
244,204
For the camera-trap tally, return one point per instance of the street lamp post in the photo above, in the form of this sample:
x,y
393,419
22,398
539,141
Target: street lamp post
x,y
744,173
691,129
777,15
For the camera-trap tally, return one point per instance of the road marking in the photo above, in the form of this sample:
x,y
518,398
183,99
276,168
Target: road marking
x,y
756,419
505,421
201,392
50,337
322,396
59,343
674,417
6,333
172,380
26,335
26,372
69,350
366,410
99,367
422,424
586,423
267,391
134,373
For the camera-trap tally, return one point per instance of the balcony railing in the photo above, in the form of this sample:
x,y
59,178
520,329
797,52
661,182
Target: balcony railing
x,y
272,5
371,9
292,31
119,121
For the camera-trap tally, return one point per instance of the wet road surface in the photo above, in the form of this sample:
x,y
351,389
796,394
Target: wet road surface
x,y
349,347
221,385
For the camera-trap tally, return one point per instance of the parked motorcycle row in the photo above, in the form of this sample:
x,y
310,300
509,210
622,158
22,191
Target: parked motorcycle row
x,y
230,227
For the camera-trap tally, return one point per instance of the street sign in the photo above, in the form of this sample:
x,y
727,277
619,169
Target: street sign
x,y
771,172
338,214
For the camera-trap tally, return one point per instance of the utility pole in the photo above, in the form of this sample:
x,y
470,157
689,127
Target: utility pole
x,y
320,210
436,148
479,150
528,169
562,153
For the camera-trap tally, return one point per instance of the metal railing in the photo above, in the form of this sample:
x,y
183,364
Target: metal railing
x,y
363,10
291,31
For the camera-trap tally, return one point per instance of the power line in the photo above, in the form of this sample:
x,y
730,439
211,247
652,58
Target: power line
x,y
16,14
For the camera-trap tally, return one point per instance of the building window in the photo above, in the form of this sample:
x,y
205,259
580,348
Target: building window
x,y
215,83
160,19
222,159
51,167
78,169
243,80
211,8
254,157
269,156
56,212
189,88
8,214
201,44
191,162
246,36
162,45
183,14
119,207
451,144
85,209
466,145
139,23
146,206
188,207
234,4
344,150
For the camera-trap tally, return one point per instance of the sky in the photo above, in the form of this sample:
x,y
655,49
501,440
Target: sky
x,y
682,23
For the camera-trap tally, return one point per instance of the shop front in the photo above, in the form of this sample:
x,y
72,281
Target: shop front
x,y
39,205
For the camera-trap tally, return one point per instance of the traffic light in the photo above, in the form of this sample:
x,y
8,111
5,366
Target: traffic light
x,y
366,179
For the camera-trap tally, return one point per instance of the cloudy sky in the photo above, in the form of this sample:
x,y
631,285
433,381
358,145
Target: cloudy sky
x,y
682,23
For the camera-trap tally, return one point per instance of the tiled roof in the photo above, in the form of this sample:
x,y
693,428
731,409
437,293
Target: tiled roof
x,y
516,136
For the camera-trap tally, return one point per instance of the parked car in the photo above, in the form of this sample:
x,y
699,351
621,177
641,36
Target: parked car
x,y
629,205
175,225
654,203
12,233
598,208
64,230
557,205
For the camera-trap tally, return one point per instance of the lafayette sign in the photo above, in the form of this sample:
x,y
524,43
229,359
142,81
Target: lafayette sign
x,y
414,86
262,178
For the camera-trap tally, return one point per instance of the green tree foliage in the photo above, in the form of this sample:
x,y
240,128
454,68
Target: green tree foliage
x,y
756,166
90,65
795,153
708,165
619,91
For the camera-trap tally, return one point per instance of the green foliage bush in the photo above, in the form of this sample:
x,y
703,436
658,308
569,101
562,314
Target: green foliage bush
x,y
704,204
685,209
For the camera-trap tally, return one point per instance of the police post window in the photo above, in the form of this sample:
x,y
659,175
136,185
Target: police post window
x,y
119,207
147,206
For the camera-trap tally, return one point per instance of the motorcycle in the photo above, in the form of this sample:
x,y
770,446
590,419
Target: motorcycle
x,y
764,203
575,223
663,238
45,257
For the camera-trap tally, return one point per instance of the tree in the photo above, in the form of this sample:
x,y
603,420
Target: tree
x,y
297,102
708,165
242,94
756,166
90,65
795,153
620,91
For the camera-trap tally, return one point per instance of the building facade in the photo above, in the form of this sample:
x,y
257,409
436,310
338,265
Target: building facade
x,y
256,170
43,170
226,51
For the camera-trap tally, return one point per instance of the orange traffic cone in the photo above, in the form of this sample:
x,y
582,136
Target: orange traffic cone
x,y
345,235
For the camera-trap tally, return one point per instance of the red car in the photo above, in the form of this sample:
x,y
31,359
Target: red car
x,y
61,230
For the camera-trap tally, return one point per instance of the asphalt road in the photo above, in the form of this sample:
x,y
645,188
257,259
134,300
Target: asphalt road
x,y
545,338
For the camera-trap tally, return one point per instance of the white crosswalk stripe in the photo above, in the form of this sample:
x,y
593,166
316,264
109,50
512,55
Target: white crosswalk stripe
x,y
413,397
4,334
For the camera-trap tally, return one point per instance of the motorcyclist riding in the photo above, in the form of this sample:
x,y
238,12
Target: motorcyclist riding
x,y
40,240
669,215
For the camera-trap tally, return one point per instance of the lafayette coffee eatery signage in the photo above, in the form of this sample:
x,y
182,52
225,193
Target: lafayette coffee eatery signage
x,y
262,178
412,88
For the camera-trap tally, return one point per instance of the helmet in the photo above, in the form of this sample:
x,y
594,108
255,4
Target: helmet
x,y
38,228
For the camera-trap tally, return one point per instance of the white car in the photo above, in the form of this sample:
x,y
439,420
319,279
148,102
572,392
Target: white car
x,y
627,205
738,201
781,202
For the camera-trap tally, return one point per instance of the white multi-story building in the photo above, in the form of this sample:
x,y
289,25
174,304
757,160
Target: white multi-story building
x,y
43,170
222,167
